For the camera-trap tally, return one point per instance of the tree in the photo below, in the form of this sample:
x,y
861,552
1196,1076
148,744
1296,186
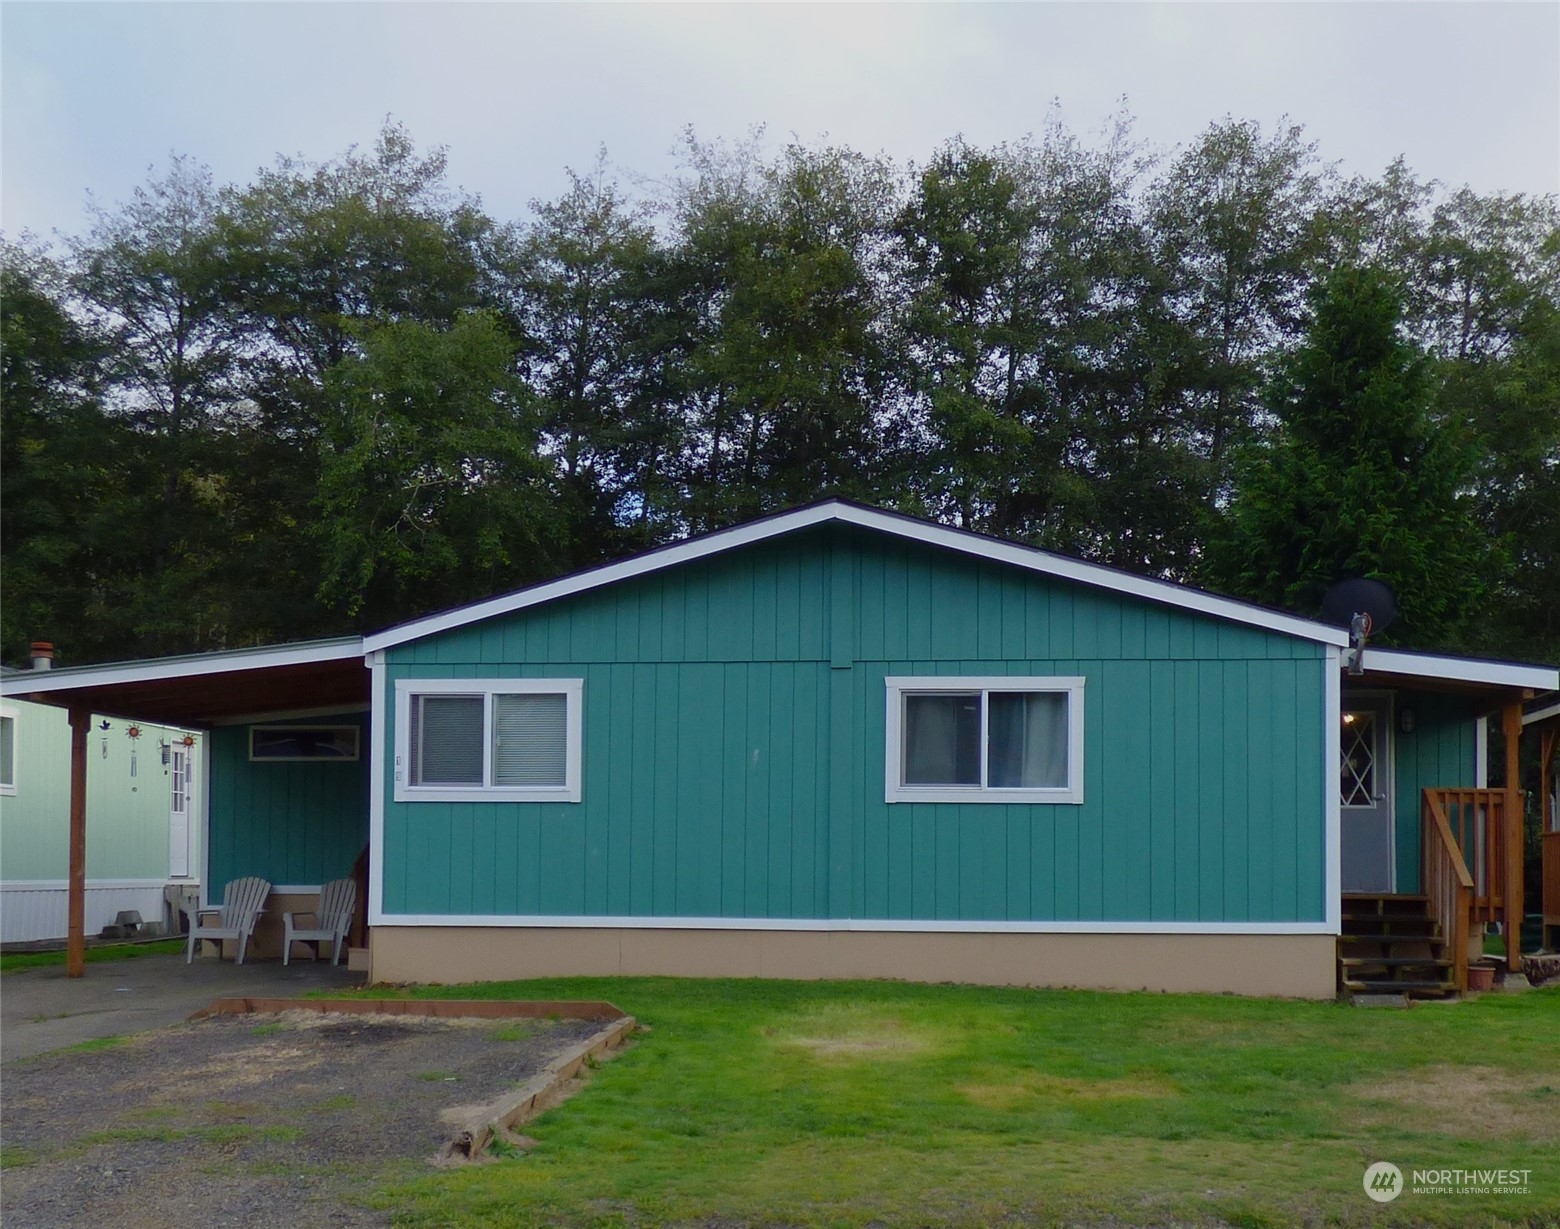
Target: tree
x,y
1359,479
577,288
782,362
149,278
63,464
1233,221
431,492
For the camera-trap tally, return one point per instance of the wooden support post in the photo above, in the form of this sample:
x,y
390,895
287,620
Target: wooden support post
x,y
1548,831
1511,722
76,907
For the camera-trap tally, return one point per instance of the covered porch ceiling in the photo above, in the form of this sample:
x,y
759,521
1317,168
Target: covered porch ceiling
x,y
208,689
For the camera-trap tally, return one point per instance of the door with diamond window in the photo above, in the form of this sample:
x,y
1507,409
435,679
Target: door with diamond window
x,y
1365,794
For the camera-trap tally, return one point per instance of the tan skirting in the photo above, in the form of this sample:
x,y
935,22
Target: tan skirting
x,y
1300,966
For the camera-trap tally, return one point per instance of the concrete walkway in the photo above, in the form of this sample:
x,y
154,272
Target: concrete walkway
x,y
42,1009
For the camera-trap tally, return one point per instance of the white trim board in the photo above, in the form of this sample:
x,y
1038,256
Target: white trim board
x,y
886,925
1332,755
376,784
1461,669
837,512
900,687
1542,714
28,682
60,885
573,691
330,710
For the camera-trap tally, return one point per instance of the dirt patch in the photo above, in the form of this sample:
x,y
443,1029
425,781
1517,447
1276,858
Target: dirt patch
x,y
251,1120
1469,1102
1028,1087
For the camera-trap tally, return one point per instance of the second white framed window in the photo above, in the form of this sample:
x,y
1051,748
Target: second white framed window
x,y
984,739
488,740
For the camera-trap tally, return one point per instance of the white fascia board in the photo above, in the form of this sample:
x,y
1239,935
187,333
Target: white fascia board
x,y
886,925
1542,714
37,681
1027,557
1461,669
639,565
1035,560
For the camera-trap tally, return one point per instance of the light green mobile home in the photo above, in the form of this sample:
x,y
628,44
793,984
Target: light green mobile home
x,y
147,834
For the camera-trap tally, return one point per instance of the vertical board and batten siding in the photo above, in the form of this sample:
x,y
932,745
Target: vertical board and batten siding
x,y
1437,754
294,823
734,714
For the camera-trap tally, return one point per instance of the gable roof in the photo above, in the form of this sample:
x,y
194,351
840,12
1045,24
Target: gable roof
x,y
909,528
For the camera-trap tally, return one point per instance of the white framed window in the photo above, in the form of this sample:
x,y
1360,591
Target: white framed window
x,y
984,739
303,742
488,740
8,716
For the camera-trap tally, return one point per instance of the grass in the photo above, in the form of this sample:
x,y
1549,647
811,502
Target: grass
x,y
853,1104
94,1044
18,961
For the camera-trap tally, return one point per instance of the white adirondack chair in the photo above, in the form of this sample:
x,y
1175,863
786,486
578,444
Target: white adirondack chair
x,y
332,920
242,900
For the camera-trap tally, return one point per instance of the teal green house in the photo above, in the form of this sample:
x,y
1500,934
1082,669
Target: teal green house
x,y
841,742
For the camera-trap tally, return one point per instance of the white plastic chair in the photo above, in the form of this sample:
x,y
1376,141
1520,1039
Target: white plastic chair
x,y
236,917
333,919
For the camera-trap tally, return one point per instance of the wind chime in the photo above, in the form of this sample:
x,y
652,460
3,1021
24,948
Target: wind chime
x,y
133,733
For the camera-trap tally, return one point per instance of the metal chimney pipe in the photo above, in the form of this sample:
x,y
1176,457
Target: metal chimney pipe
x,y
42,655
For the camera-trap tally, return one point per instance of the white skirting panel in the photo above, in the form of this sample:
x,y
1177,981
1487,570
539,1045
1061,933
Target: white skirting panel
x,y
38,909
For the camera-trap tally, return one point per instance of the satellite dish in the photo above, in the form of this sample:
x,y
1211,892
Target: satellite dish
x,y
1360,596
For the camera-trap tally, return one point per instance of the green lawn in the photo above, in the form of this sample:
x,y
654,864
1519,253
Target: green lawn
x,y
117,951
866,1103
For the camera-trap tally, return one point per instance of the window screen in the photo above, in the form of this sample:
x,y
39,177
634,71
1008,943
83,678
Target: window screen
x,y
942,740
530,738
1027,744
446,740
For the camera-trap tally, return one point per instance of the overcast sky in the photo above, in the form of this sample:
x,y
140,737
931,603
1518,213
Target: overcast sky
x,y
92,95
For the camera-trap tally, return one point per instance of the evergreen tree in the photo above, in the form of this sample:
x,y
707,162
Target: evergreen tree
x,y
1358,478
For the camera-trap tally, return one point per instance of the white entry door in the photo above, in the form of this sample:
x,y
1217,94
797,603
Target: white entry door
x,y
179,813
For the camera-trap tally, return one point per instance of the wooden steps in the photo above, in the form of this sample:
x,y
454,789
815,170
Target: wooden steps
x,y
1391,945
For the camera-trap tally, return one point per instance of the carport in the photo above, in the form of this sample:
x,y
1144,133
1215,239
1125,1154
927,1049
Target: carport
x,y
227,694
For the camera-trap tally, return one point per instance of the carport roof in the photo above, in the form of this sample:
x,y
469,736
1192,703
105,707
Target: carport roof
x,y
205,689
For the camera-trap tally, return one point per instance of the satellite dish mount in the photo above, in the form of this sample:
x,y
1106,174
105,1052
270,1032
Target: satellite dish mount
x,y
1363,606
1359,633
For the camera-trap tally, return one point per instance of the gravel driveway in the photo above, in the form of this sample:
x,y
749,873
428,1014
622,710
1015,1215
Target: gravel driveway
x,y
250,1120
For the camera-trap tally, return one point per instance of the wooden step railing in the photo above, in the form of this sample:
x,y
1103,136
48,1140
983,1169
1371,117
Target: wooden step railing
x,y
1448,883
1477,819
